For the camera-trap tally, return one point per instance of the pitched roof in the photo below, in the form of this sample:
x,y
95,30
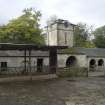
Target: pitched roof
x,y
97,52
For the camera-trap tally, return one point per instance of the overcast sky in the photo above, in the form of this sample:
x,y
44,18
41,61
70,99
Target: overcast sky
x,y
91,12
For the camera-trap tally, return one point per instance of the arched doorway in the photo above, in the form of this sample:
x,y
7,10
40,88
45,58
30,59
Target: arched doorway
x,y
100,65
71,61
100,62
92,64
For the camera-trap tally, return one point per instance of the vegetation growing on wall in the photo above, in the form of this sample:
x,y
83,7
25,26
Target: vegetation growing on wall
x,y
72,72
69,50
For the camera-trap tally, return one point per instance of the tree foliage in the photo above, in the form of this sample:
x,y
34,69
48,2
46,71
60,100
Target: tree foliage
x,y
82,34
24,29
51,19
99,34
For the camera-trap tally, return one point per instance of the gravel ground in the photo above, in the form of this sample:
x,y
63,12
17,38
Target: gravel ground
x,y
81,91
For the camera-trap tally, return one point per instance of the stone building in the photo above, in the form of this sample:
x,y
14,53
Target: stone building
x,y
28,58
60,33
91,58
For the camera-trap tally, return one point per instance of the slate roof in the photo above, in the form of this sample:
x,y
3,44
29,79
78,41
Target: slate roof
x,y
95,52
16,53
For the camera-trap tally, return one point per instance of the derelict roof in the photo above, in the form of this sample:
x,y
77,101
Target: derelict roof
x,y
12,46
90,52
61,21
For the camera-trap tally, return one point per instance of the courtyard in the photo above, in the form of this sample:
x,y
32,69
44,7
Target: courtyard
x,y
62,91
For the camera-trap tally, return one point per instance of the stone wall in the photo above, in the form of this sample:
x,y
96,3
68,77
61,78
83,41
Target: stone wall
x,y
96,66
19,61
15,58
81,60
60,35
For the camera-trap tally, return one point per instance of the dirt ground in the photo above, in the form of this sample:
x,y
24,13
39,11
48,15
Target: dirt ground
x,y
80,91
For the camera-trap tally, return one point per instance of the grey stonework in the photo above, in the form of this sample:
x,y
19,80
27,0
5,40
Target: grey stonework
x,y
60,33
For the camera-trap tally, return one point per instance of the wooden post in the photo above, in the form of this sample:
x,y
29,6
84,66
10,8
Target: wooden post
x,y
30,60
104,68
25,60
88,68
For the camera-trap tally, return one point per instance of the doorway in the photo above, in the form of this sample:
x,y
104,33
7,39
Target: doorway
x,y
3,66
39,65
71,61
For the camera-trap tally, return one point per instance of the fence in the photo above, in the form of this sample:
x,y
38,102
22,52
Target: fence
x,y
35,70
14,71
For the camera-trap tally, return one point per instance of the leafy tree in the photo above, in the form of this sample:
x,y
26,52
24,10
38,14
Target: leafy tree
x,y
24,29
99,34
82,34
51,19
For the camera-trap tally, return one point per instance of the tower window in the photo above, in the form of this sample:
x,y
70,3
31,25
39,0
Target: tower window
x,y
65,37
66,24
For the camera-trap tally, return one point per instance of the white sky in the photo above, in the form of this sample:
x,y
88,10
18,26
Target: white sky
x,y
91,12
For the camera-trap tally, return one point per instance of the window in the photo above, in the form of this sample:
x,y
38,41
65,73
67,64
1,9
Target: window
x,y
65,37
66,24
3,66
39,65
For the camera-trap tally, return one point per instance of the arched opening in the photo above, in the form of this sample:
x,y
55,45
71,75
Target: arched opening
x,y
71,61
92,64
100,62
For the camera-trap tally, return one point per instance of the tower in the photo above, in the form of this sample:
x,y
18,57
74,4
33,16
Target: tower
x,y
60,33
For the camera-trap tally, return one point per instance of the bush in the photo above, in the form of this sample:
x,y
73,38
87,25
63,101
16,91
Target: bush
x,y
72,72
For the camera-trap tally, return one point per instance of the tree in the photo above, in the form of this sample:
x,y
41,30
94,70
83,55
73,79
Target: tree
x,y
99,34
82,34
51,20
24,29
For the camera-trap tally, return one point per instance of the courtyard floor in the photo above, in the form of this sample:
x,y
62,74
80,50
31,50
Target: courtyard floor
x,y
79,91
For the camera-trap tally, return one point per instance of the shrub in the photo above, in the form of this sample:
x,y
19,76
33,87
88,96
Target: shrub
x,y
72,72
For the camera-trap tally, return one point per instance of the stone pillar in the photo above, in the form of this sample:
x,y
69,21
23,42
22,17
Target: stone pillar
x,y
96,65
30,60
104,67
88,67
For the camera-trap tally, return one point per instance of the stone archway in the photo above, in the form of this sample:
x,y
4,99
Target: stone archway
x,y
71,61
100,62
92,64
100,65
